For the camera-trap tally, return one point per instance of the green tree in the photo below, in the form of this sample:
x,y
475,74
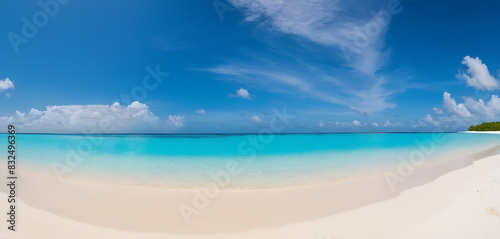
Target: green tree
x,y
486,126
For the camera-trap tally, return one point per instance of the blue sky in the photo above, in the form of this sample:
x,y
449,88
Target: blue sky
x,y
338,66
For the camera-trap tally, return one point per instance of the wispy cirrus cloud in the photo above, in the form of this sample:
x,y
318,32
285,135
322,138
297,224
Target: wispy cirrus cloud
x,y
364,96
353,32
200,111
356,29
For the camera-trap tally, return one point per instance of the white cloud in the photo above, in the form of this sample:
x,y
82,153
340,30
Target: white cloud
x,y
387,124
467,113
6,85
453,107
135,117
202,111
176,121
342,124
450,122
438,111
356,123
256,119
494,103
430,120
243,93
343,25
477,75
392,124
329,123
478,107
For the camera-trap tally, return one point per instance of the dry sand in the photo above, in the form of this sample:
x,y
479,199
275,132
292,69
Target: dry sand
x,y
464,203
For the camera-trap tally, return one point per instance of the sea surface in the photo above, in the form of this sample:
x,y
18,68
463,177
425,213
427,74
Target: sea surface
x,y
235,161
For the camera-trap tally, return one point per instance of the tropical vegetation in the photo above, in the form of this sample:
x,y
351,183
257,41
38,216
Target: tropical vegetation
x,y
486,126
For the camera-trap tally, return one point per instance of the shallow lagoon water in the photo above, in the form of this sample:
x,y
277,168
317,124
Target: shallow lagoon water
x,y
262,161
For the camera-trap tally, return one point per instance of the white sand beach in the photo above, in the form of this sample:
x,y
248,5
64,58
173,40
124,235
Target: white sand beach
x,y
481,132
464,203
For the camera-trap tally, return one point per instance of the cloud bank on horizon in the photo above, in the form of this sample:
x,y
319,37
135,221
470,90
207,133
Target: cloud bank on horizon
x,y
93,119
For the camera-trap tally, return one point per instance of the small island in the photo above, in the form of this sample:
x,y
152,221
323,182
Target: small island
x,y
486,126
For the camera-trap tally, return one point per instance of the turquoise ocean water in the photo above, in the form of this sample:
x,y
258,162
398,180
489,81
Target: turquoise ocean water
x,y
185,161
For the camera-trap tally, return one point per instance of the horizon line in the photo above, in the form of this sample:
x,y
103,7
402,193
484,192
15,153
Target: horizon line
x,y
241,133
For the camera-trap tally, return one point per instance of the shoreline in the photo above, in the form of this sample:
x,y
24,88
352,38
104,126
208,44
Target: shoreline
x,y
480,132
120,207
468,155
459,204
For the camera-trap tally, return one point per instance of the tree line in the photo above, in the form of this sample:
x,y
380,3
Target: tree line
x,y
486,126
